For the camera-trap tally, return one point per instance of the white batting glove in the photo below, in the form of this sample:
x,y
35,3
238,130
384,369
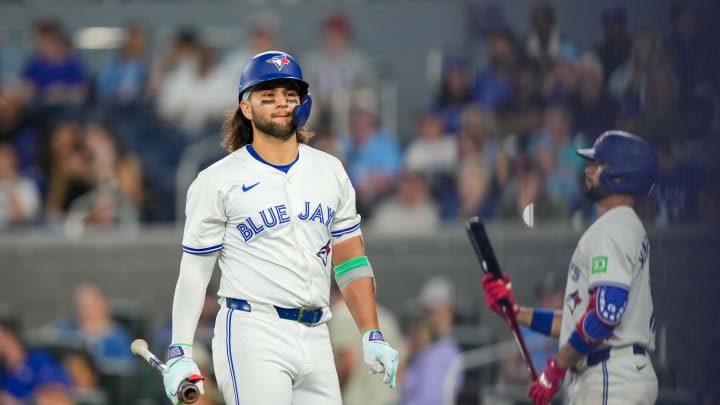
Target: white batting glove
x,y
378,354
181,367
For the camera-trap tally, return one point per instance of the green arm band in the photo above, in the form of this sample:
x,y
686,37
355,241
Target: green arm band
x,y
352,269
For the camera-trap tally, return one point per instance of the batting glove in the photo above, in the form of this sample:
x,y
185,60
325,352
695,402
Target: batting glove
x,y
542,390
181,367
496,290
378,354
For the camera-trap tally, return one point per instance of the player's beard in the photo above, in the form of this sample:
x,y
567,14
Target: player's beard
x,y
277,130
596,192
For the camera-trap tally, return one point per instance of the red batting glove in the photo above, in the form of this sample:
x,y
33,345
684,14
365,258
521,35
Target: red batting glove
x,y
548,384
496,290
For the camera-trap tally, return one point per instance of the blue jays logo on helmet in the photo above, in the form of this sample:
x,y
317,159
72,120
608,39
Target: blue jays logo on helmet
x,y
275,65
280,61
631,162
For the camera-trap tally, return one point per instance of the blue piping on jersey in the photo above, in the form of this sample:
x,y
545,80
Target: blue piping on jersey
x,y
202,251
228,328
341,232
282,168
606,385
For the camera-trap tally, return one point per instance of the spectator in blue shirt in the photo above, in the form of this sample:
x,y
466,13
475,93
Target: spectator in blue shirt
x,y
107,341
54,75
23,372
680,186
122,81
372,156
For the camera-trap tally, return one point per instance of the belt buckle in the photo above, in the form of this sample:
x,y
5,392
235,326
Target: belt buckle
x,y
302,312
300,315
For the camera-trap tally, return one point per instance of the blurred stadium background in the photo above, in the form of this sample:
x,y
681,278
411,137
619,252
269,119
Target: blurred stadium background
x,y
439,110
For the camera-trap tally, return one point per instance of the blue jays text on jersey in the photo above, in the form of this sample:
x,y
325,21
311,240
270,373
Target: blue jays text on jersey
x,y
277,215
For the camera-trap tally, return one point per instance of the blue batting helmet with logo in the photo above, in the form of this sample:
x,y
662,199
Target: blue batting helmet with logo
x,y
274,65
632,162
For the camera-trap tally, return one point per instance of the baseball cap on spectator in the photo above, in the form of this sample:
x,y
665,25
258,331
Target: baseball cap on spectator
x,y
338,22
436,292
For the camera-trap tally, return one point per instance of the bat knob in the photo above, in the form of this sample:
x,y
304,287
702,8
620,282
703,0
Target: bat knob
x,y
138,346
188,392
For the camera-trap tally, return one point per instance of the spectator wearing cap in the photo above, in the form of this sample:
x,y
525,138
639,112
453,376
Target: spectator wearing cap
x,y
335,71
616,44
429,365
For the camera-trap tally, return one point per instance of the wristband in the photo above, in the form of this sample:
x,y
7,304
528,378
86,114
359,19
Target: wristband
x,y
542,320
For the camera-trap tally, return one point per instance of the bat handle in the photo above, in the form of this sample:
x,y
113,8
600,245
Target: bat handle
x,y
512,322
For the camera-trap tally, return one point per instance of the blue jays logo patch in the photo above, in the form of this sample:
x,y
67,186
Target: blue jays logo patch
x,y
573,300
279,61
324,253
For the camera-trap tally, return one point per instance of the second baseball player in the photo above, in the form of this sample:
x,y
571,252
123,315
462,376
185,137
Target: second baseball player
x,y
607,326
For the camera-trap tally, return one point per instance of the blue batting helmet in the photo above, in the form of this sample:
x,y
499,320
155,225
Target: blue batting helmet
x,y
274,65
632,162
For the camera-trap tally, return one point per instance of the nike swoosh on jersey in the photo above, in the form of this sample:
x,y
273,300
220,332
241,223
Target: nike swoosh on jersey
x,y
641,367
247,188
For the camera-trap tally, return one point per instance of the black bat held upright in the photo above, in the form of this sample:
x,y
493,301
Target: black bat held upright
x,y
481,243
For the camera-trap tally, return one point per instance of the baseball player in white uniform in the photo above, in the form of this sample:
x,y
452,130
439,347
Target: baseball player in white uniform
x,y
279,217
607,326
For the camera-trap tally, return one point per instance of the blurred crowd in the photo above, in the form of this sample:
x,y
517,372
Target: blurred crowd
x,y
88,149
83,148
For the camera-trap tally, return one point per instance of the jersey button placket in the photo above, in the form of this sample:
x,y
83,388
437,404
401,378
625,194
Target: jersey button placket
x,y
294,224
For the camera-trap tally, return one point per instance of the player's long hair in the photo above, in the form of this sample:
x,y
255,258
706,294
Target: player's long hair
x,y
238,131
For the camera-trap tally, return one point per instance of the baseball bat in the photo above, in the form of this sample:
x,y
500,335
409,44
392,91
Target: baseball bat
x,y
187,392
484,251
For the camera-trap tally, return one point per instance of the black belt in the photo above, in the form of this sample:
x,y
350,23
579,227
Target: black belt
x,y
307,316
604,354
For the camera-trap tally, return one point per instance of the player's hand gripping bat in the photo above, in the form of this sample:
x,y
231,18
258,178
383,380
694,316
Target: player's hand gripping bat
x,y
187,392
481,243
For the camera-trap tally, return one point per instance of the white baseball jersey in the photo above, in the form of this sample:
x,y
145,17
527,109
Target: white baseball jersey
x,y
274,230
613,251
